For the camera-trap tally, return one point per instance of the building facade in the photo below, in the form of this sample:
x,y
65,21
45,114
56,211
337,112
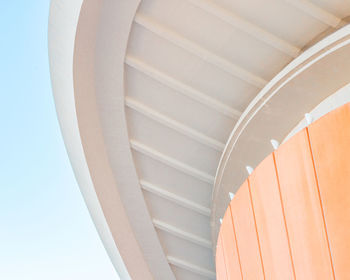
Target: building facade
x,y
166,107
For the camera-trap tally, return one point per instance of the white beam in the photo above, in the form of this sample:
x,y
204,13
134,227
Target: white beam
x,y
245,26
199,51
175,125
191,267
183,167
182,234
181,87
316,12
175,198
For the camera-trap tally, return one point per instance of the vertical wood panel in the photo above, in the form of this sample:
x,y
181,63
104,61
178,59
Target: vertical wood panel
x,y
291,218
220,260
247,241
330,143
302,208
230,248
270,221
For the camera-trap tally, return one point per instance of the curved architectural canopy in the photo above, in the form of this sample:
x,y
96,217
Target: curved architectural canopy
x,y
290,218
315,75
163,103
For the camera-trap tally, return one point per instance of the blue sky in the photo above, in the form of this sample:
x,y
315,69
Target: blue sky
x,y
45,228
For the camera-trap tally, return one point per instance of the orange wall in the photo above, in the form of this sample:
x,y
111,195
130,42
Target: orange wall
x,y
291,218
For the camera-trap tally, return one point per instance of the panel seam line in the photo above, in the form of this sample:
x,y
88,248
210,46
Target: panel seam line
x,y
283,213
320,200
234,234
223,254
256,228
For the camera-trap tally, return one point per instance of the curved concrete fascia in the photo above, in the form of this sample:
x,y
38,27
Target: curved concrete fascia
x,y
277,109
332,102
73,31
112,42
101,43
63,20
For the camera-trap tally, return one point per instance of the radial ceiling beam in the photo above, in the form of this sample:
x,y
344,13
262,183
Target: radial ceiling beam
x,y
316,12
183,167
175,125
245,26
182,234
191,267
179,200
181,88
182,42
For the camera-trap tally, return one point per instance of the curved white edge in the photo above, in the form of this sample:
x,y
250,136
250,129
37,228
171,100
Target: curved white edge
x,y
262,95
90,104
63,20
99,82
317,52
337,99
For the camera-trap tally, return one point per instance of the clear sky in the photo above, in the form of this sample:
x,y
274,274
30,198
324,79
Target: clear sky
x,y
45,228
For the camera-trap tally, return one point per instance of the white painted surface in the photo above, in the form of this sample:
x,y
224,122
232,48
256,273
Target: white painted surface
x,y
157,96
299,87
337,99
64,15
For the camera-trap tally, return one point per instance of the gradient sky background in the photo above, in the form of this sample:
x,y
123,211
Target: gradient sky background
x,y
46,232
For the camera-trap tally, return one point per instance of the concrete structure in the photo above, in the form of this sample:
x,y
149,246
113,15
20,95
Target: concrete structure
x,y
290,218
163,104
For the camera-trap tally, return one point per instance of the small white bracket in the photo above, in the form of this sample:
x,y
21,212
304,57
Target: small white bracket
x,y
274,144
308,118
220,221
249,169
231,195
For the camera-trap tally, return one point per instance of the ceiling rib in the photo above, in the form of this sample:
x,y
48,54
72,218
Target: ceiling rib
x,y
175,125
199,51
191,267
183,167
245,26
182,234
182,88
175,198
316,12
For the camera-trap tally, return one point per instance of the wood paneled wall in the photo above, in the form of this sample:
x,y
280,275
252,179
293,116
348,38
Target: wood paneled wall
x,y
291,218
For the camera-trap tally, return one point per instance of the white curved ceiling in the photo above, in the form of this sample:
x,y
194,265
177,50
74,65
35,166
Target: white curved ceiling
x,y
190,69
